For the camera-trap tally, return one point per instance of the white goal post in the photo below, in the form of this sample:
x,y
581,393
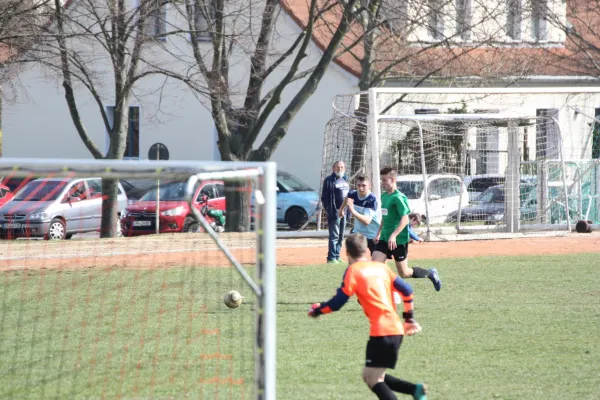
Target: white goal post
x,y
167,289
521,141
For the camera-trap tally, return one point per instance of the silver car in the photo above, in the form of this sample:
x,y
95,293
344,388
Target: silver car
x,y
56,208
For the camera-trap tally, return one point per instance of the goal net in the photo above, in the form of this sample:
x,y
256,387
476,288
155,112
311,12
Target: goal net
x,y
140,315
473,164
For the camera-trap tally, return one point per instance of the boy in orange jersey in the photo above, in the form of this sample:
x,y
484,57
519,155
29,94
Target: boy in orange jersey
x,y
373,283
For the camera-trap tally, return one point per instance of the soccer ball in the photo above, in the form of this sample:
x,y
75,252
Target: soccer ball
x,y
233,299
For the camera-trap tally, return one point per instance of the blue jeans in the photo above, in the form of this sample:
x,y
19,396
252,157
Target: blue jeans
x,y
336,236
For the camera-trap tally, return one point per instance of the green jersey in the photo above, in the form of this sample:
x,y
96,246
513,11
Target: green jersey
x,y
393,207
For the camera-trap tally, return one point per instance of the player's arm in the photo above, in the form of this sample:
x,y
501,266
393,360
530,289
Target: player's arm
x,y
342,294
411,326
363,218
413,235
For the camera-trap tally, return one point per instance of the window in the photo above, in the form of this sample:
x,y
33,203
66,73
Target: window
x,y
78,190
444,187
132,144
95,186
435,21
539,23
220,190
481,184
463,19
156,21
202,23
514,14
411,189
208,191
547,136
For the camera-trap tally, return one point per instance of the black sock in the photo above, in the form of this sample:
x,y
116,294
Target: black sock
x,y
420,272
383,392
398,385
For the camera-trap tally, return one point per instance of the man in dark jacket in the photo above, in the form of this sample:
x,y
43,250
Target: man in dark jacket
x,y
335,190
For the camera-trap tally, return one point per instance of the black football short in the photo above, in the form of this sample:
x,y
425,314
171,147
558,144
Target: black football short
x,y
382,351
399,253
371,245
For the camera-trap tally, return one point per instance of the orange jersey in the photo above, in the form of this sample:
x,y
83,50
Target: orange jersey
x,y
373,282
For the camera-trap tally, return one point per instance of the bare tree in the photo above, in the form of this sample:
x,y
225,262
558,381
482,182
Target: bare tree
x,y
424,41
244,34
95,47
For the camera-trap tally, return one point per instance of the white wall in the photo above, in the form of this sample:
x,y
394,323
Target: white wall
x,y
39,123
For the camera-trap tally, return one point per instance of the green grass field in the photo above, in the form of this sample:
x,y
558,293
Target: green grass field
x,y
501,328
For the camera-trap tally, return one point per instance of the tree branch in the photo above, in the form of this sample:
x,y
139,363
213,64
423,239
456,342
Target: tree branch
x,y
281,126
69,95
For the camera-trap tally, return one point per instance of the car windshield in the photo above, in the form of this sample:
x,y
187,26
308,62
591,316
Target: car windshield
x,y
170,192
411,189
40,191
492,195
292,184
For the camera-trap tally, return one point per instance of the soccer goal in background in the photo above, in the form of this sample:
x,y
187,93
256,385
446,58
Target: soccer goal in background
x,y
476,163
140,316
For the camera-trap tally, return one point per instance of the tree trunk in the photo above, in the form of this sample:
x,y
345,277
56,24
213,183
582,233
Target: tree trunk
x,y
110,208
237,216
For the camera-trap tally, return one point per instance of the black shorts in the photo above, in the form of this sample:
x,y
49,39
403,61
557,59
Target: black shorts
x,y
382,351
371,245
399,253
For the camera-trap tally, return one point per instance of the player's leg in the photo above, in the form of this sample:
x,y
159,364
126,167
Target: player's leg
x,y
418,390
374,378
401,258
380,252
379,357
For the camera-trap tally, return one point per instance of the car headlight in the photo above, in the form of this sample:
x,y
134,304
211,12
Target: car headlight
x,y
172,211
39,216
124,213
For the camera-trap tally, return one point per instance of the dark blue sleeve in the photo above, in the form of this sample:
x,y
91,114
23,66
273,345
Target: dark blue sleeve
x,y
403,287
375,204
336,302
325,193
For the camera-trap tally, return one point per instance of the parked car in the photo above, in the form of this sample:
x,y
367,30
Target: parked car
x,y
5,194
490,205
297,202
136,188
55,208
443,190
16,183
175,214
477,184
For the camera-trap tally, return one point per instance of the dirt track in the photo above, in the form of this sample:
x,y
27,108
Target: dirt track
x,y
186,250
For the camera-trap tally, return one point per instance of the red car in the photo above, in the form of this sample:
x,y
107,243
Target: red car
x,y
139,218
5,194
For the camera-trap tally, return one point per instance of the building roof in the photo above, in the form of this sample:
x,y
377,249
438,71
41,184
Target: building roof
x,y
490,61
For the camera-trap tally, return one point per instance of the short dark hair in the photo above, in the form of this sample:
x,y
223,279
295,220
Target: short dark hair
x,y
388,170
356,245
416,217
362,178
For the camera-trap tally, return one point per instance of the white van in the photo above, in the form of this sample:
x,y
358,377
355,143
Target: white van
x,y
443,191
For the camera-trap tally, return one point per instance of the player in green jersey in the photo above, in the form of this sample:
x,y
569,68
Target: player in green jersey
x,y
393,237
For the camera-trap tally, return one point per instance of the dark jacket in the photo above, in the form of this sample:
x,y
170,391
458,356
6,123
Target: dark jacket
x,y
331,197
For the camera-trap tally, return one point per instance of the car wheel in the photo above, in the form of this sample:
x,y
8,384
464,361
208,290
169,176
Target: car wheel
x,y
191,226
56,231
296,217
